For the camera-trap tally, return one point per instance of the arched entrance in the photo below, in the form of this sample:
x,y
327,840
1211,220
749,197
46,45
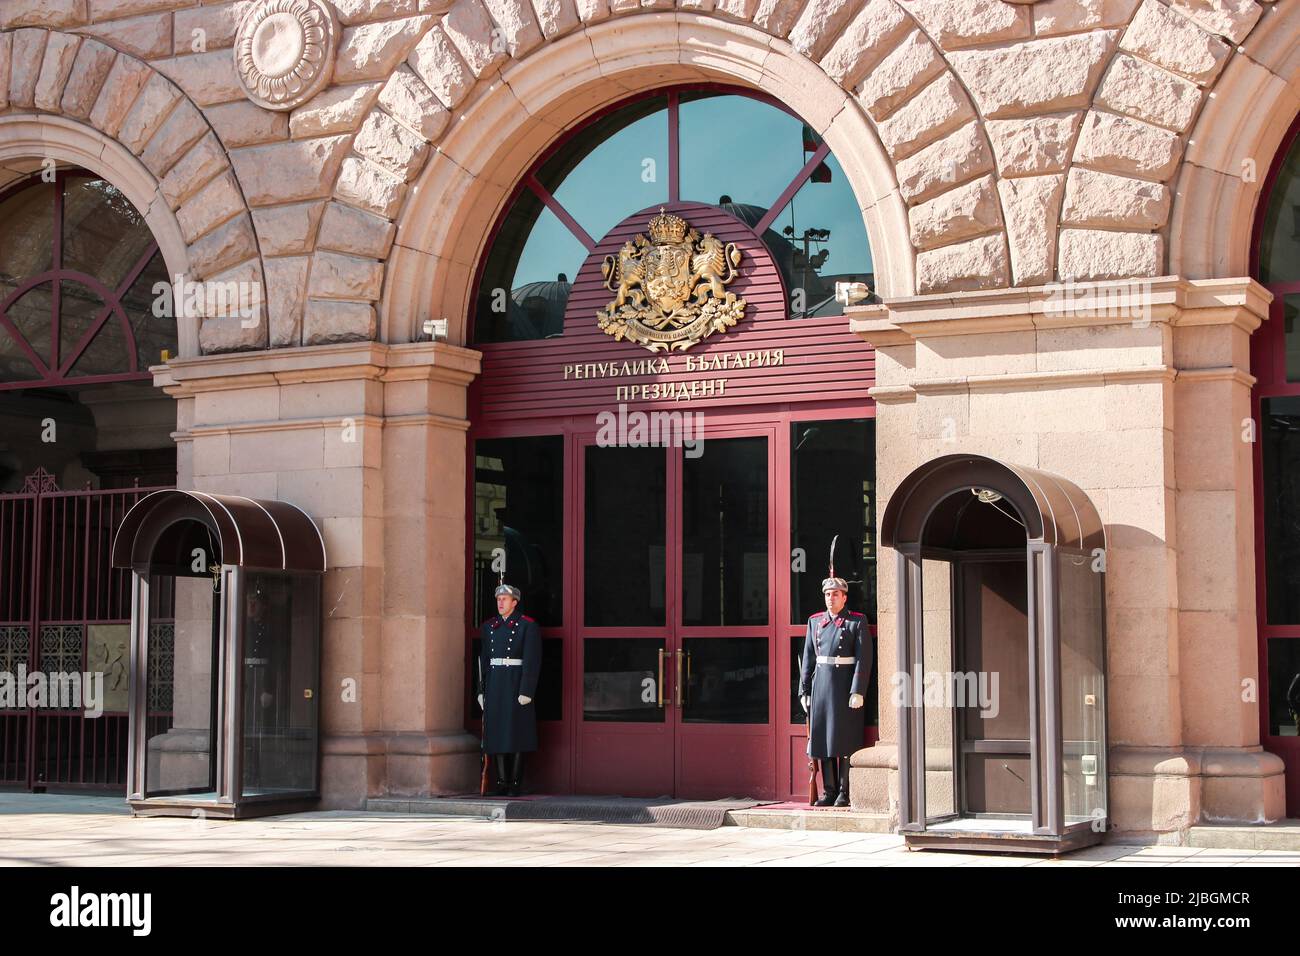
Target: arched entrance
x,y
1275,363
83,435
665,493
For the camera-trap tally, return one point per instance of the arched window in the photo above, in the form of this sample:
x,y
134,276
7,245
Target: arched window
x,y
739,151
1275,363
77,268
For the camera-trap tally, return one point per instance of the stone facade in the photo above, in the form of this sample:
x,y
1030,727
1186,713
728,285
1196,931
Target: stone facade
x,y
994,148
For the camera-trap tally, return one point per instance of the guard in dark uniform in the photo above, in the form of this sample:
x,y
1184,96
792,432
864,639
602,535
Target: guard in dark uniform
x,y
510,661
835,674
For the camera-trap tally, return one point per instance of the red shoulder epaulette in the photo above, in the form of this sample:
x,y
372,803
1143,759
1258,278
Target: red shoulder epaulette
x,y
527,618
855,614
817,617
491,620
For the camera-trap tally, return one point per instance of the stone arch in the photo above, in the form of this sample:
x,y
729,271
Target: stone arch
x,y
461,192
77,100
1237,137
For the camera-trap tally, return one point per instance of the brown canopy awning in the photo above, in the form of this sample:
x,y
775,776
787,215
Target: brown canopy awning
x,y
252,533
924,511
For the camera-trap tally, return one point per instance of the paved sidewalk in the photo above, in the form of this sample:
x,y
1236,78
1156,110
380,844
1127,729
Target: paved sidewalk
x,y
53,829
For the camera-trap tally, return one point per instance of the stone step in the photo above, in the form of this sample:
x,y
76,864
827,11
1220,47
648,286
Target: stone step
x,y
1282,835
793,818
661,812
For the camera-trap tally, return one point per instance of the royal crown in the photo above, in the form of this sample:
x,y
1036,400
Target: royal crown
x,y
666,227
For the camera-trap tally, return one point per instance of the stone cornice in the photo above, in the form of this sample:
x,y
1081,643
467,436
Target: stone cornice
x,y
1170,300
433,361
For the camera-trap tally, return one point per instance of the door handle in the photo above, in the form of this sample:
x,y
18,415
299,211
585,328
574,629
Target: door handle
x,y
679,678
661,678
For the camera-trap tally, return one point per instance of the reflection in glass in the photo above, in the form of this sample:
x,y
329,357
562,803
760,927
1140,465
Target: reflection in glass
x,y
103,234
725,680
620,679
519,507
823,241
612,167
1279,238
1280,425
549,699
1284,687
623,570
724,534
527,275
1291,336
939,718
280,676
833,492
739,147
1083,703
181,686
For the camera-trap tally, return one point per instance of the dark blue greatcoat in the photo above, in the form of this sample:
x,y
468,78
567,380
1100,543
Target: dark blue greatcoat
x,y
509,726
837,729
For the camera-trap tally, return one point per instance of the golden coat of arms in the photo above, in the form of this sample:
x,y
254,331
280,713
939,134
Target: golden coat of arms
x,y
670,288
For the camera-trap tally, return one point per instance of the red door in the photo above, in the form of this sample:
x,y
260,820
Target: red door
x,y
676,646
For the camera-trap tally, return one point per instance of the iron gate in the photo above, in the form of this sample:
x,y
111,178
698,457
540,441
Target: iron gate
x,y
64,609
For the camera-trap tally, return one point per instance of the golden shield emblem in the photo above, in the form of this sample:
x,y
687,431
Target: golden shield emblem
x,y
670,287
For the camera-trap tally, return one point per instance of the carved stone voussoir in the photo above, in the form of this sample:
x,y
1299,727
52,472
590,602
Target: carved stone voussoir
x,y
284,51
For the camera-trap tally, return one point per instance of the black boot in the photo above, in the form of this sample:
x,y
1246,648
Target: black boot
x,y
843,799
830,783
501,773
516,774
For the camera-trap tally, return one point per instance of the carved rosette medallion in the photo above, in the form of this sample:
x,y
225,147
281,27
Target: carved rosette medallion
x,y
284,51
670,287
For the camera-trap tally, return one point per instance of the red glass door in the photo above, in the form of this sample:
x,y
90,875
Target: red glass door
x,y
725,631
623,656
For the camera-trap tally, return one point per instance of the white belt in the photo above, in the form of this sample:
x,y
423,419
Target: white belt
x,y
506,662
836,660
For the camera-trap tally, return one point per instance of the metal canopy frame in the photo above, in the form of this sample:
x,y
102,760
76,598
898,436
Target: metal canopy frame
x,y
937,513
243,534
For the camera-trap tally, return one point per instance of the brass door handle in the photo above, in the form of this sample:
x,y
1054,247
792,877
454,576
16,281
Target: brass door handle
x,y
661,678
679,678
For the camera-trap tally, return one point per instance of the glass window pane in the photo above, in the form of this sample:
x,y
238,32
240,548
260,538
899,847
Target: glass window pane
x,y
1284,687
724,534
27,240
623,572
620,680
725,680
833,492
103,234
1280,423
31,313
153,333
818,239
1290,336
738,150
78,309
527,277
1279,240
614,167
181,686
280,669
1083,703
519,508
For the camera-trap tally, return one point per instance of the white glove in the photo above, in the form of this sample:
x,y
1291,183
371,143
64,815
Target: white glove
x,y
855,701
806,701
480,701
525,700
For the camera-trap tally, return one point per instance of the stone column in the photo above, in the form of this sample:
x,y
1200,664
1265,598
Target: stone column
x,y
1137,392
369,440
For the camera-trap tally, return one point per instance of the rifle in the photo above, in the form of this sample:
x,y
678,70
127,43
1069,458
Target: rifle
x,y
812,762
483,775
